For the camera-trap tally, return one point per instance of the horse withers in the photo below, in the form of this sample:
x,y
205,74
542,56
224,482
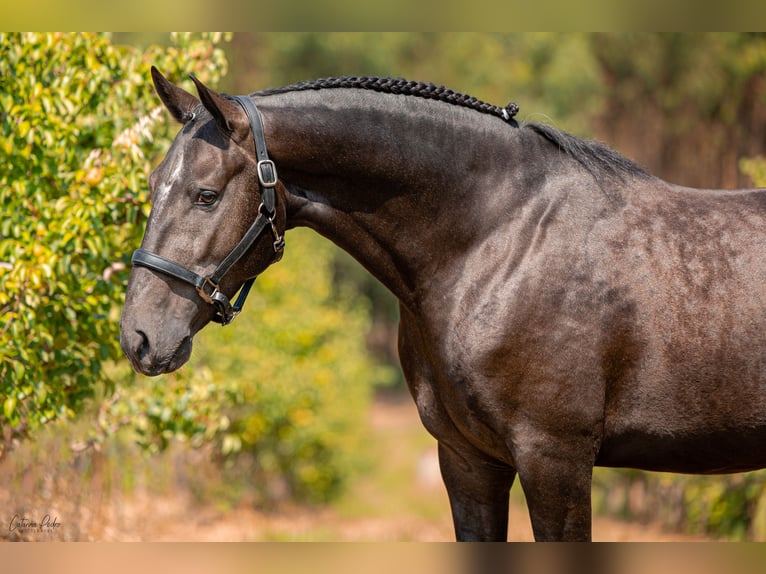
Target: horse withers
x,y
560,307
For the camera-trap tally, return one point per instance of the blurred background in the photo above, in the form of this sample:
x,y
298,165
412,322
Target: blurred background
x,y
295,423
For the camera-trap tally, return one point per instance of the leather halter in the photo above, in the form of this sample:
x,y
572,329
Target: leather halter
x,y
208,286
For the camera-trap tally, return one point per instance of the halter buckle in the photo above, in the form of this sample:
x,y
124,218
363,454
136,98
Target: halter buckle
x,y
267,173
208,297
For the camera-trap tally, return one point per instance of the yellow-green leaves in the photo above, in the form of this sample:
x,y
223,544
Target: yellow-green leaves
x,y
755,167
79,131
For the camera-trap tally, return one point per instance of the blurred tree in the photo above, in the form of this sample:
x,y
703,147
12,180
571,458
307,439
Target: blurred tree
x,y
686,106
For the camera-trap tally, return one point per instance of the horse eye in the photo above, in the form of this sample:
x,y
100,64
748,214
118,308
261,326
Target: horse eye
x,y
206,197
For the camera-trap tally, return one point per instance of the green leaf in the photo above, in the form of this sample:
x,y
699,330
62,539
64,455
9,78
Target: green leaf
x,y
9,407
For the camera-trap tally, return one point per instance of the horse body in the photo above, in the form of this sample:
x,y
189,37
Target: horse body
x,y
560,309
690,262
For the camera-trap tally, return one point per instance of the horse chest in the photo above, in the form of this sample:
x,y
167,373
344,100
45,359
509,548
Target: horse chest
x,y
454,405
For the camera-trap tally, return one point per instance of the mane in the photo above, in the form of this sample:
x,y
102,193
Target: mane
x,y
401,86
595,157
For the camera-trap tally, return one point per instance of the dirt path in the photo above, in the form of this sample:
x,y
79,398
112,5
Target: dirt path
x,y
413,509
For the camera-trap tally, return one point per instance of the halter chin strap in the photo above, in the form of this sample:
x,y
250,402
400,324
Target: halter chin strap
x,y
208,286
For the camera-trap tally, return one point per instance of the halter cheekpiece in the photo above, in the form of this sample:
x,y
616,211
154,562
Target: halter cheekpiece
x,y
208,286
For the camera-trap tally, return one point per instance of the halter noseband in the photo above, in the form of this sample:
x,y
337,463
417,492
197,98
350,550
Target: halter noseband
x,y
208,286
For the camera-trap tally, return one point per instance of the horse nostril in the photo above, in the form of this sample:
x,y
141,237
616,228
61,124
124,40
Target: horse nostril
x,y
142,350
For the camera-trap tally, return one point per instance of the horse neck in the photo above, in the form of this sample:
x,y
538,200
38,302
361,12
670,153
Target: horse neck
x,y
401,183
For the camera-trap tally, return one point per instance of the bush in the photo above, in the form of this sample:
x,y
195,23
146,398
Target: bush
x,y
76,147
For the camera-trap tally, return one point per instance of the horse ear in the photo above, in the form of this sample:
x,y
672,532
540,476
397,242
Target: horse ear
x,y
178,101
229,115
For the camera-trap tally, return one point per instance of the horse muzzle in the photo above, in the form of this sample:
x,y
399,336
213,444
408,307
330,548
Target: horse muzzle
x,y
153,358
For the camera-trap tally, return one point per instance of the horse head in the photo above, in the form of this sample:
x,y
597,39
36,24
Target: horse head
x,y
214,201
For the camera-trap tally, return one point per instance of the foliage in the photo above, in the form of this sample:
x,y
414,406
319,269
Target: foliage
x,y
705,75
755,167
75,146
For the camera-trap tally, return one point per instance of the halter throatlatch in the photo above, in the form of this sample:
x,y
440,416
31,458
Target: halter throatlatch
x,y
208,286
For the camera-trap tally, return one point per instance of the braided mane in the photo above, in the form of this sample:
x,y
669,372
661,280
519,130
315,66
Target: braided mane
x,y
595,157
401,86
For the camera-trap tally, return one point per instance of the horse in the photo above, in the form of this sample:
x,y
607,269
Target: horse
x,y
560,307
